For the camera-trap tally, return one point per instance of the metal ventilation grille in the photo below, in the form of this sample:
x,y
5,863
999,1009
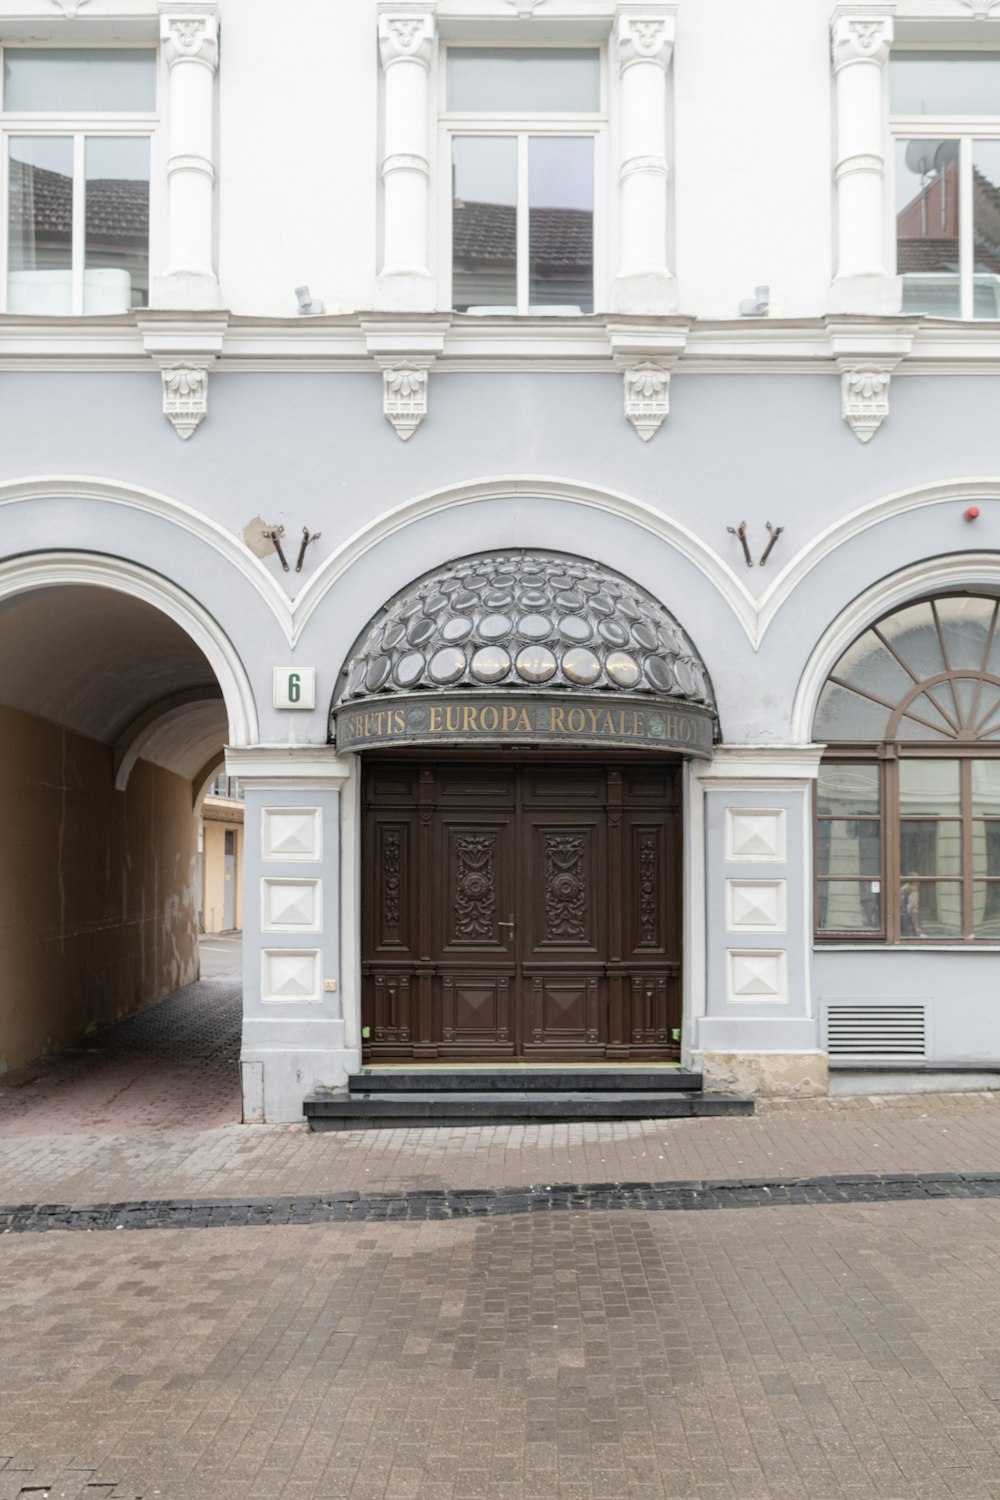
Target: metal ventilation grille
x,y
876,1030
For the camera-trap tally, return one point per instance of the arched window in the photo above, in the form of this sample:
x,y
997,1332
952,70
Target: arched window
x,y
908,796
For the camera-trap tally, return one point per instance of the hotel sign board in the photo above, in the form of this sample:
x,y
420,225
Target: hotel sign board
x,y
517,719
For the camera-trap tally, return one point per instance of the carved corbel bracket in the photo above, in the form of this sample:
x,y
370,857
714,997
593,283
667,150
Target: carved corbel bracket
x,y
404,396
646,357
184,352
647,397
864,391
405,352
982,10
866,356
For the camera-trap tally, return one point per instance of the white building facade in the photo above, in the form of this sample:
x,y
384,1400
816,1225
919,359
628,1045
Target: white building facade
x,y
584,412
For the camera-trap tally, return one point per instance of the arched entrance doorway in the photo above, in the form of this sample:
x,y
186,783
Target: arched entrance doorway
x,y
117,694
524,718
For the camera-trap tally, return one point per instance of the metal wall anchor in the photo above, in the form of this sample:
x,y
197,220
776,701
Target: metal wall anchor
x,y
741,532
275,535
307,537
775,533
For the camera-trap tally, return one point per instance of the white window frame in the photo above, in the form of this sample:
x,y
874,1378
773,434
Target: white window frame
x,y
523,125
965,129
79,126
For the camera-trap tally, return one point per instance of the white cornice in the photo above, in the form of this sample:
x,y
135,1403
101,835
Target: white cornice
x,y
362,342
467,344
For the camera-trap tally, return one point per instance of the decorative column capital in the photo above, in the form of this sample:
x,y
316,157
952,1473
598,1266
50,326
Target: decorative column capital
x,y
645,36
190,33
406,36
861,34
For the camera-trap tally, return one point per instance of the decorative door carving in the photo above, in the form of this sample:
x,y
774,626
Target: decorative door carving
x,y
521,910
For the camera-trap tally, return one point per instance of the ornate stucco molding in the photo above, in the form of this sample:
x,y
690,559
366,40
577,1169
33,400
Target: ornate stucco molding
x,y
184,350
865,400
861,33
646,356
404,397
866,355
185,398
645,36
647,397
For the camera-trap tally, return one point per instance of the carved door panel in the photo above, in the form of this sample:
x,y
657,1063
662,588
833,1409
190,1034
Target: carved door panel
x,y
474,865
562,931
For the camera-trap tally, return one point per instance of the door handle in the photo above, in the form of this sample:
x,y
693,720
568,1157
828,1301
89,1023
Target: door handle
x,y
505,924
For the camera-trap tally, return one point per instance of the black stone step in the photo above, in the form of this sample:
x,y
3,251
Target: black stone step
x,y
346,1110
549,1080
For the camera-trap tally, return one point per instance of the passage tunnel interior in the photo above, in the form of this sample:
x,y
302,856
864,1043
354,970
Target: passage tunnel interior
x,y
109,717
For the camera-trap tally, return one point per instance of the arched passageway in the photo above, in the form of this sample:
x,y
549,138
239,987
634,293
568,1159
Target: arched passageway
x,y
111,718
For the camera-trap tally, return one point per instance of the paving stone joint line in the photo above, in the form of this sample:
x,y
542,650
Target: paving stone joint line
x,y
463,1203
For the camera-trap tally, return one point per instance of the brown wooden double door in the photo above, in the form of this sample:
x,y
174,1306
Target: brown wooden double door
x,y
521,910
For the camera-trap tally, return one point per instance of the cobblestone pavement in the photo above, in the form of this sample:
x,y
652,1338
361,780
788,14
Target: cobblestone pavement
x,y
821,1353
443,1344
923,1133
175,1063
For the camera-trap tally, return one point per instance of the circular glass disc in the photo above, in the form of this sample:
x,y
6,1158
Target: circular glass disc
x,y
574,628
410,608
498,598
646,636
659,674
685,678
534,598
420,631
378,671
490,664
393,633
465,600
614,632
570,600
409,668
447,665
492,627
602,605
535,627
536,663
622,669
356,678
581,665
457,628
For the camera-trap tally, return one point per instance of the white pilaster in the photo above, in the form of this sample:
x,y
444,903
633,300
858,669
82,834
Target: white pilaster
x,y
295,1035
758,1032
406,37
189,35
862,36
645,37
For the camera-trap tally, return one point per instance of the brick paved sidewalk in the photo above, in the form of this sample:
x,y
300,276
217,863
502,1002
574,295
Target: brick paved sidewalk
x,y
927,1133
845,1353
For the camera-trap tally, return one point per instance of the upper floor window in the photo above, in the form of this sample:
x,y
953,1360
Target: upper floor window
x,y
908,798
76,126
946,124
524,128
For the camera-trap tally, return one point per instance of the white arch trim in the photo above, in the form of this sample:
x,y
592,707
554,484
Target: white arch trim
x,y
977,570
56,569
212,768
945,491
534,486
137,737
152,502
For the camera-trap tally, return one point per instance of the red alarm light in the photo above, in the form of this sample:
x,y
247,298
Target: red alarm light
x,y
971,513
